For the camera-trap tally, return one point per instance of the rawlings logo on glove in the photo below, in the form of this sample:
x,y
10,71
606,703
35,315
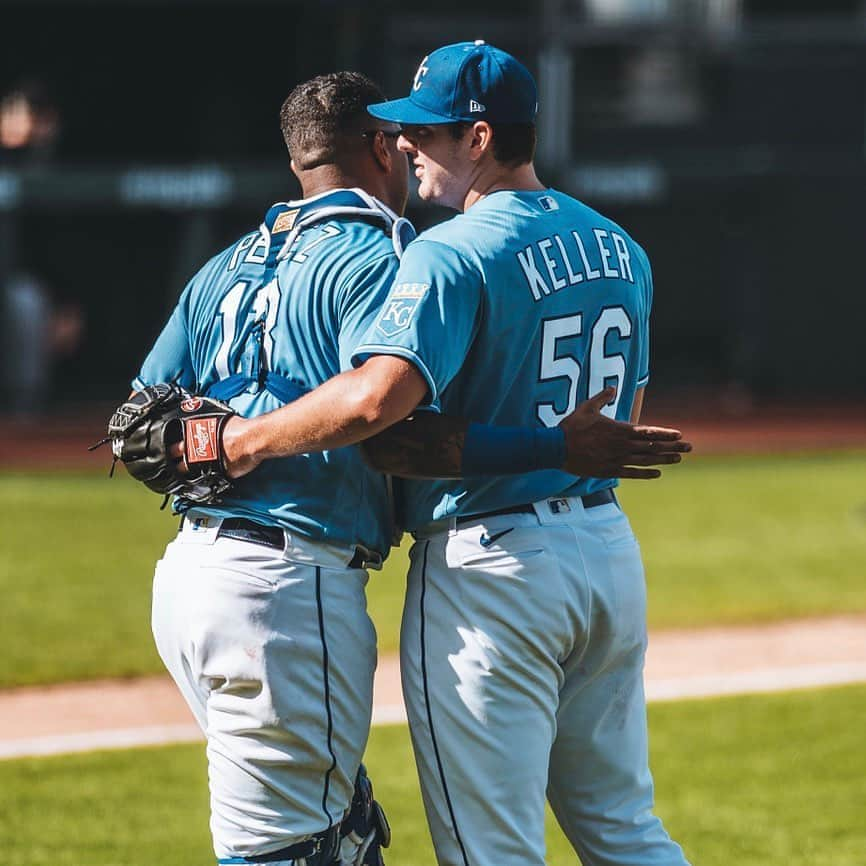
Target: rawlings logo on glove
x,y
143,429
201,439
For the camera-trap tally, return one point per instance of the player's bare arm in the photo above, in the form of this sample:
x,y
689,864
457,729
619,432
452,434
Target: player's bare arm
x,y
362,403
343,411
428,445
424,445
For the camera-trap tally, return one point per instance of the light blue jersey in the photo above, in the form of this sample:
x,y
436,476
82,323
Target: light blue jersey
x,y
270,318
514,312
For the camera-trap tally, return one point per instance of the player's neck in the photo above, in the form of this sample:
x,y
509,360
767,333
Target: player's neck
x,y
326,178
521,177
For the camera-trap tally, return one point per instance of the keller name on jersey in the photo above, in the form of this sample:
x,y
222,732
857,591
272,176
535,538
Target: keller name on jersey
x,y
484,276
552,263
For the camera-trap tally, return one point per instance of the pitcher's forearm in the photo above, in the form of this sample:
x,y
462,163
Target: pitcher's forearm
x,y
344,410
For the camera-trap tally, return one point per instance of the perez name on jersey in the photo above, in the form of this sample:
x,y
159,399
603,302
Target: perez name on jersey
x,y
554,262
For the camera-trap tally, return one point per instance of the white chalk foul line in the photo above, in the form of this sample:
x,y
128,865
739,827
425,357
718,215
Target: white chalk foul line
x,y
117,738
751,682
672,689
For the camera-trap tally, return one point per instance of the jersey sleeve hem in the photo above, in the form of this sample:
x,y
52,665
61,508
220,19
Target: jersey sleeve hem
x,y
642,382
363,352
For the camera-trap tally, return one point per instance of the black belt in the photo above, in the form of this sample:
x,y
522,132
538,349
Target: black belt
x,y
318,850
248,530
591,500
242,529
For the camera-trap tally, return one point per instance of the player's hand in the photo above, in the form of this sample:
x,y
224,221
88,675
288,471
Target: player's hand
x,y
599,447
235,459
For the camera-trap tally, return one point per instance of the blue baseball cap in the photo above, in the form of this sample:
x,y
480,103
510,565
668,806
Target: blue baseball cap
x,y
465,82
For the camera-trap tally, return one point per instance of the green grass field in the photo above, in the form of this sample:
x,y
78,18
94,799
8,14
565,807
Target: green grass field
x,y
725,540
756,781
752,539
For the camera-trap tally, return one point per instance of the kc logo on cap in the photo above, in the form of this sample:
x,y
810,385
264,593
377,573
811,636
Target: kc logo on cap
x,y
417,81
467,81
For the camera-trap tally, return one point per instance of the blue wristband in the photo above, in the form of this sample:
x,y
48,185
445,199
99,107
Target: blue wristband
x,y
489,450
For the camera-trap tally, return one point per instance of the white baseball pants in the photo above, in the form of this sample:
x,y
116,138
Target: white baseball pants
x,y
522,654
275,654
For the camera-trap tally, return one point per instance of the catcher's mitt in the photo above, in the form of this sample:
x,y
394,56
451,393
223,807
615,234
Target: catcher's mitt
x,y
144,427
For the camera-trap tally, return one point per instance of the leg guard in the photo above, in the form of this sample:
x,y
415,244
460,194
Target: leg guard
x,y
365,829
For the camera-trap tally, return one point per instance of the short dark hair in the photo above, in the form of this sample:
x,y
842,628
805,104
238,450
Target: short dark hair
x,y
513,143
323,110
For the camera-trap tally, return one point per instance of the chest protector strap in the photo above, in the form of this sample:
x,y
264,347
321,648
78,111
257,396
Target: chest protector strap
x,y
281,228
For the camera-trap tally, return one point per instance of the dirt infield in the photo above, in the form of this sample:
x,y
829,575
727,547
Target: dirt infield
x,y
763,430
61,441
680,664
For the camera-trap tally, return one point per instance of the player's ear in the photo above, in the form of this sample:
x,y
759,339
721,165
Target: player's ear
x,y
381,153
481,139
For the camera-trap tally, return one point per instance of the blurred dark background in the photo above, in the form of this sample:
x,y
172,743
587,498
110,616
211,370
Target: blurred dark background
x,y
728,136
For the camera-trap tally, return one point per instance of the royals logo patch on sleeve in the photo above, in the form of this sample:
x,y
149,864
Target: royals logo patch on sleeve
x,y
400,307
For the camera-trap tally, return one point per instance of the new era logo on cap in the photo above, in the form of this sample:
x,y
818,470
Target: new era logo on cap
x,y
461,81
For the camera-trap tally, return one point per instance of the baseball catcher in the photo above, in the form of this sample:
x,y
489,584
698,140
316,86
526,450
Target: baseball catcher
x,y
145,426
